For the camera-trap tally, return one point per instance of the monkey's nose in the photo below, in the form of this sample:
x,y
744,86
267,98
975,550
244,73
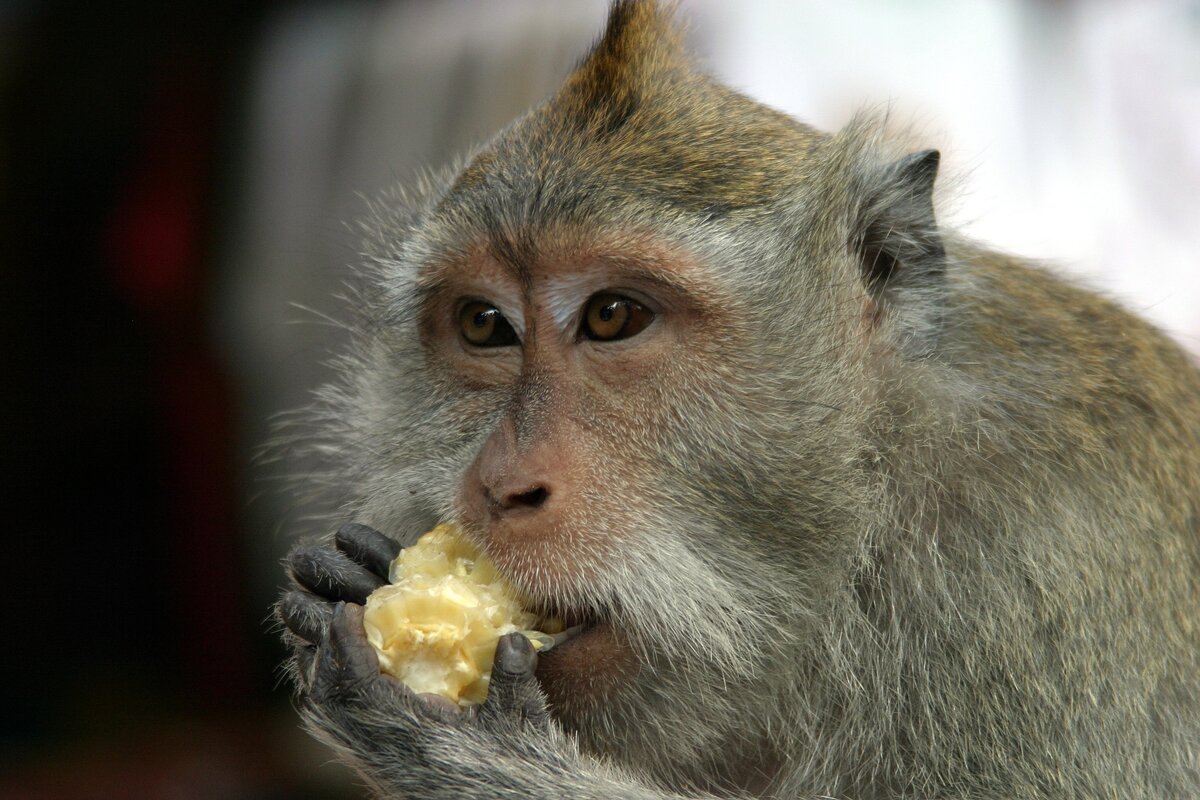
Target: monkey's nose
x,y
529,498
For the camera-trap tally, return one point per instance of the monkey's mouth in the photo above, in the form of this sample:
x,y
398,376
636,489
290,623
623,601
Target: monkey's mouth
x,y
586,668
563,627
590,661
586,645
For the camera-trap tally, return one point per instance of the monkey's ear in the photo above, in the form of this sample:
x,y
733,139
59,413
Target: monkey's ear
x,y
897,240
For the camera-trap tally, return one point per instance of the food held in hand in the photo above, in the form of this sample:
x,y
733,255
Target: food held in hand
x,y
435,627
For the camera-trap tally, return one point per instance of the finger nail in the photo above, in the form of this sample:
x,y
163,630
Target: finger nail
x,y
514,654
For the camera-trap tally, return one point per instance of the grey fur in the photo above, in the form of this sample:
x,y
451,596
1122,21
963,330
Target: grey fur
x,y
961,560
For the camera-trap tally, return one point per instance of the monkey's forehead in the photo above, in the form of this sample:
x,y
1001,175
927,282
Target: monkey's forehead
x,y
555,187
714,158
562,255
637,137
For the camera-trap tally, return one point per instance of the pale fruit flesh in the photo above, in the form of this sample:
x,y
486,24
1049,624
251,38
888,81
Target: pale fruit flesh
x,y
436,625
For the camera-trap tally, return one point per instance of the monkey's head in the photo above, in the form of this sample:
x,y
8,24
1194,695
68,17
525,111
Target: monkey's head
x,y
633,347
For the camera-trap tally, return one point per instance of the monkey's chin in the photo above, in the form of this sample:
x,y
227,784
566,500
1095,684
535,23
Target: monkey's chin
x,y
586,669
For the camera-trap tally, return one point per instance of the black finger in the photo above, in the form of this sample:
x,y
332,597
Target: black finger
x,y
515,656
302,668
346,662
348,638
367,546
305,615
332,575
440,707
513,692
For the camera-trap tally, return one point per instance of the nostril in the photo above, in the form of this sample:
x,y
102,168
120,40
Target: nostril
x,y
531,498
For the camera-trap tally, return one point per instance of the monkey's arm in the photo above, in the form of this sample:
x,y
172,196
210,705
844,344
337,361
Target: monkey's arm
x,y
406,745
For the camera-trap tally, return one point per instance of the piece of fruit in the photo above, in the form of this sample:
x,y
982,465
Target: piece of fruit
x,y
435,627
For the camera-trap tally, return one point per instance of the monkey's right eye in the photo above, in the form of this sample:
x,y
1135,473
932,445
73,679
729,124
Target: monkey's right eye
x,y
483,325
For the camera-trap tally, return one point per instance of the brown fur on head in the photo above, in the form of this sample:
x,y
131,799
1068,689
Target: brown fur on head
x,y
805,503
638,119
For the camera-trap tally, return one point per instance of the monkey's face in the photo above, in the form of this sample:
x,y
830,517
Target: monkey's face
x,y
601,418
643,429
617,359
565,358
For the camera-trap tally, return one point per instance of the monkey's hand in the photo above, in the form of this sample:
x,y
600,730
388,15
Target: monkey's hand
x,y
409,745
323,576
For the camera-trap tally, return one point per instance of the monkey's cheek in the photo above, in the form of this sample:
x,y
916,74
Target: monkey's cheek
x,y
587,669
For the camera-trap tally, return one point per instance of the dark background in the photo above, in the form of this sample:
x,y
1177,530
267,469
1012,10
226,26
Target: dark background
x,y
133,665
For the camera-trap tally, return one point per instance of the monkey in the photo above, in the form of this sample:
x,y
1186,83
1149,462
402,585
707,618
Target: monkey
x,y
843,503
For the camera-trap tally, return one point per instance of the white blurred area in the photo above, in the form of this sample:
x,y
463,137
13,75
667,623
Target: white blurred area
x,y
1073,129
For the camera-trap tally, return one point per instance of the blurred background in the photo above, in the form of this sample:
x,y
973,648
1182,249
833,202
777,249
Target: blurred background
x,y
178,183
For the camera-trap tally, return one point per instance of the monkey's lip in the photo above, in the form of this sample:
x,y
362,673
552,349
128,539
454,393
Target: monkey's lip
x,y
579,675
555,640
574,624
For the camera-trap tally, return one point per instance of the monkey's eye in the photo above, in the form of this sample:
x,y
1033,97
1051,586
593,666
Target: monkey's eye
x,y
483,325
609,317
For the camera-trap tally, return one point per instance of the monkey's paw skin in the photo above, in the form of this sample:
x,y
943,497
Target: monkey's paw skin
x,y
345,672
348,572
377,723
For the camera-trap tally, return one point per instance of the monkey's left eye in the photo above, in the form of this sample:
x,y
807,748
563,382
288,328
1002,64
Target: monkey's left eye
x,y
609,317
483,325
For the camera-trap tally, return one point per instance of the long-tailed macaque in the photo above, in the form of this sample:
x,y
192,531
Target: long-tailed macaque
x,y
849,506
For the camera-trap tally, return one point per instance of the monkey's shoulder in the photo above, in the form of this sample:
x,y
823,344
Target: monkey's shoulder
x,y
1065,347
